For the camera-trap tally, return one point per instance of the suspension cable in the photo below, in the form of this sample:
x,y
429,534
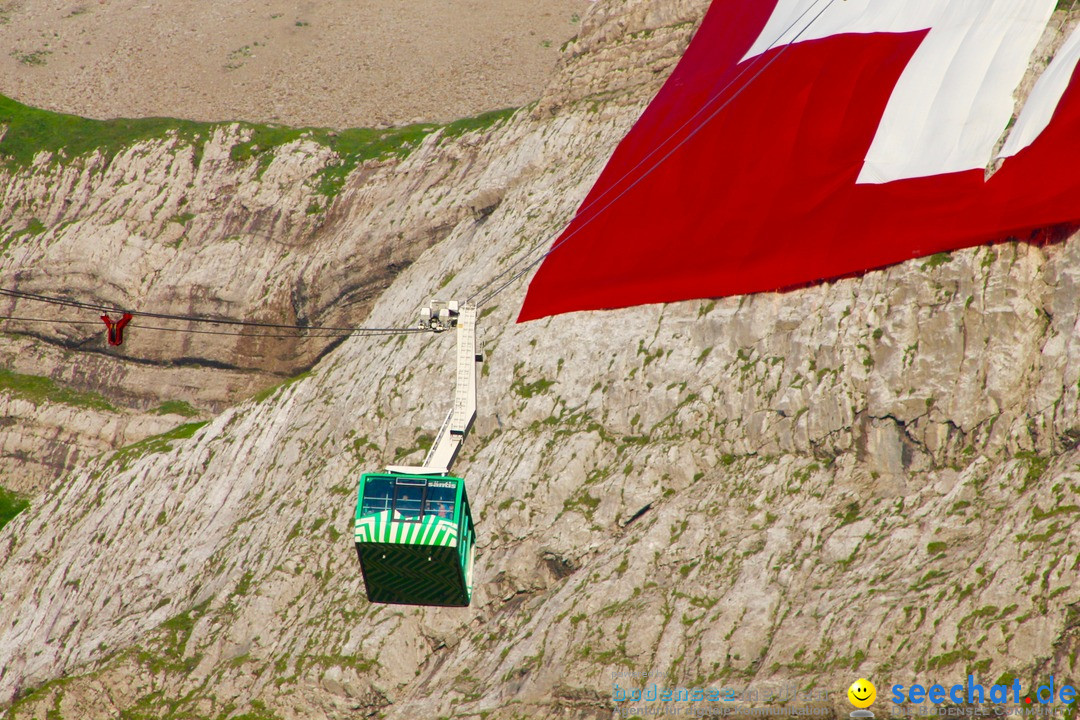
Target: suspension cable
x,y
64,302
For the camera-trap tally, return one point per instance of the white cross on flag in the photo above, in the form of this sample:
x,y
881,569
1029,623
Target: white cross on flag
x,y
804,140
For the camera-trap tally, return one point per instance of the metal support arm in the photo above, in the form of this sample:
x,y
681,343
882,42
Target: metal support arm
x,y
441,316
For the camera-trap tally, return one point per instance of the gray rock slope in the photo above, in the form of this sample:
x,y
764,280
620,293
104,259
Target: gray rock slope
x,y
875,477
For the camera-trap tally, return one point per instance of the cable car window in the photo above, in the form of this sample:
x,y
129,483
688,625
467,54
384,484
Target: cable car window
x,y
440,502
408,500
377,495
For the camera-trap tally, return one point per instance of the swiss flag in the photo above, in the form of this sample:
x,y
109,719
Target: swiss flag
x,y
804,140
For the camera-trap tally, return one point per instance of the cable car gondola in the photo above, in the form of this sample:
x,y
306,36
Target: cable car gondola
x,y
414,530
415,539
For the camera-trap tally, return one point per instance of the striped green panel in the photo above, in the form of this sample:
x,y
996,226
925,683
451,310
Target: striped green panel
x,y
431,530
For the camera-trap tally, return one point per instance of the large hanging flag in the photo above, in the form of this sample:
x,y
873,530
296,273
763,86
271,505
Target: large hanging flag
x,y
804,140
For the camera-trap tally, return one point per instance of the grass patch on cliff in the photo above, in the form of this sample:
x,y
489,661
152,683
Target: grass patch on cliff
x,y
168,649
359,144
529,390
32,130
176,407
39,389
583,503
482,121
356,145
11,504
33,227
265,394
153,444
1036,466
359,663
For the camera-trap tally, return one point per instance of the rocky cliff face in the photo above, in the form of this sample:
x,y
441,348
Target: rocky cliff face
x,y
211,224
874,477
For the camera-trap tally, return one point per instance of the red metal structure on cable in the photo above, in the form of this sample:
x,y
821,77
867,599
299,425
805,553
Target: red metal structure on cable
x,y
116,329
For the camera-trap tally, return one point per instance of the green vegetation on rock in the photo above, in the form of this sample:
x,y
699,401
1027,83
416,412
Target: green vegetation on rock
x,y
33,227
356,145
39,389
264,394
11,504
31,131
176,407
154,444
169,648
937,260
482,121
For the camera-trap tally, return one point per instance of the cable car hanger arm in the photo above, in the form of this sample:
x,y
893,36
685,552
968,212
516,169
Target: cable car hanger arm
x,y
440,316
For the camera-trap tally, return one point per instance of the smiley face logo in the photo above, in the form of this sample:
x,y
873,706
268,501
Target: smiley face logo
x,y
862,693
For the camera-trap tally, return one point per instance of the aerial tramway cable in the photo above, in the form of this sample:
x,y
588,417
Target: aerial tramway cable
x,y
310,331
194,318
187,331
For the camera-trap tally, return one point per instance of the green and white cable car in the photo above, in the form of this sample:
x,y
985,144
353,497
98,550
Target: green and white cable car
x,y
414,530
415,538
